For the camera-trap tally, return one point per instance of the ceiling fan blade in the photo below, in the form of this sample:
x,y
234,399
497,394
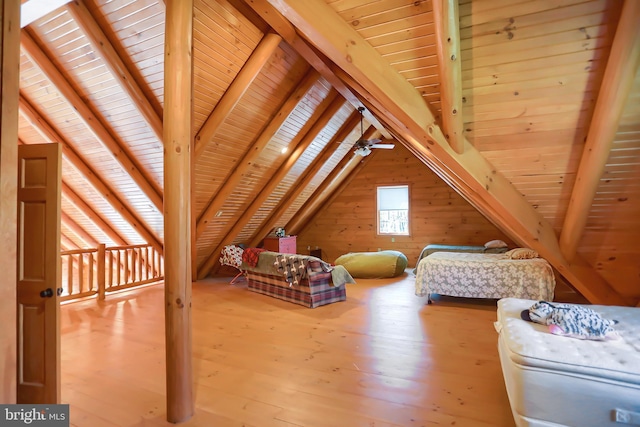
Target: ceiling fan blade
x,y
384,146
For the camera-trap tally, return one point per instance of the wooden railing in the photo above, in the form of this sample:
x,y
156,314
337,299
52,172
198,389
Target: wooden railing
x,y
88,272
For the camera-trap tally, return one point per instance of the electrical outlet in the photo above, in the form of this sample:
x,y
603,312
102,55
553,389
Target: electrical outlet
x,y
626,417
308,248
393,239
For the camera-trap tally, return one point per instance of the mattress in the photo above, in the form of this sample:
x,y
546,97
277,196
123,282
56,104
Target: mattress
x,y
559,381
479,275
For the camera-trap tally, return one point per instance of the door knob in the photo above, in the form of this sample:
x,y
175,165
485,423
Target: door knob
x,y
47,293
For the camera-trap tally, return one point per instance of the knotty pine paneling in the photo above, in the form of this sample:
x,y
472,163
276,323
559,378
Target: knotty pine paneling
x,y
102,94
437,213
143,50
610,239
403,33
241,128
223,41
98,203
101,90
84,221
325,140
251,116
531,73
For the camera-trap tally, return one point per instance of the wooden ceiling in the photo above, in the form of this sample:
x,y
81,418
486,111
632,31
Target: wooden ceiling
x,y
529,109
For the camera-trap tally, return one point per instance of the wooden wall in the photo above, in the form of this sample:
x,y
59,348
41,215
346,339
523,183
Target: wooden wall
x,y
437,213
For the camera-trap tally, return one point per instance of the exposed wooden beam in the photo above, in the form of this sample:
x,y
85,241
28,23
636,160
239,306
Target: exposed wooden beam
x,y
445,16
178,84
328,108
469,173
80,232
250,14
238,87
91,120
598,289
80,204
31,114
327,188
254,152
77,201
66,243
304,181
329,193
283,27
112,60
33,10
619,76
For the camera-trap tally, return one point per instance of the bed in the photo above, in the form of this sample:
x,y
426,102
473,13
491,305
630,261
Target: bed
x,y
557,381
480,275
300,279
492,249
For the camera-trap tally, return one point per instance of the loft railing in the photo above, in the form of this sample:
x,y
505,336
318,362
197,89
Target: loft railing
x,y
98,271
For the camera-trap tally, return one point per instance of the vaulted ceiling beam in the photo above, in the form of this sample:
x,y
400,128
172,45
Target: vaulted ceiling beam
x,y
590,284
80,232
254,152
234,92
91,120
406,111
327,109
283,27
66,243
327,196
304,181
50,134
112,60
328,187
619,76
77,201
447,28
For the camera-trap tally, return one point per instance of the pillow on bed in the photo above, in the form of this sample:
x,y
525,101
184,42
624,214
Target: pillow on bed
x,y
521,253
492,244
374,265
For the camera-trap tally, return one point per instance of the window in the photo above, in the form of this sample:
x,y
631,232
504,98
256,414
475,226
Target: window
x,y
393,210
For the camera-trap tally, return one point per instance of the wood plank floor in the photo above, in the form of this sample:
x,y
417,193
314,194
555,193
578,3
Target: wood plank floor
x,y
381,358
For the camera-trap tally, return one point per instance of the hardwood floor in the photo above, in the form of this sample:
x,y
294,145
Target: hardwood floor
x,y
381,358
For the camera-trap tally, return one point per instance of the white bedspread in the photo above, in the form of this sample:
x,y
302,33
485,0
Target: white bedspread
x,y
477,275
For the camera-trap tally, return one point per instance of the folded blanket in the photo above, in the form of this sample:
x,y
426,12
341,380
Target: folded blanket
x,y
340,276
269,262
293,267
251,256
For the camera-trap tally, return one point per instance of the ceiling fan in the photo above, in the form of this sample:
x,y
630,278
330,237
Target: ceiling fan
x,y
363,146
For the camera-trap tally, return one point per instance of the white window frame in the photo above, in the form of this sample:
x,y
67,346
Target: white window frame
x,y
395,212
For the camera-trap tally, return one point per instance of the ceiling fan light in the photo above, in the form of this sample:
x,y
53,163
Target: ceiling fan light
x,y
362,151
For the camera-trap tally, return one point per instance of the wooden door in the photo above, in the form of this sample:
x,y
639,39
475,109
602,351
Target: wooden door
x,y
38,270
